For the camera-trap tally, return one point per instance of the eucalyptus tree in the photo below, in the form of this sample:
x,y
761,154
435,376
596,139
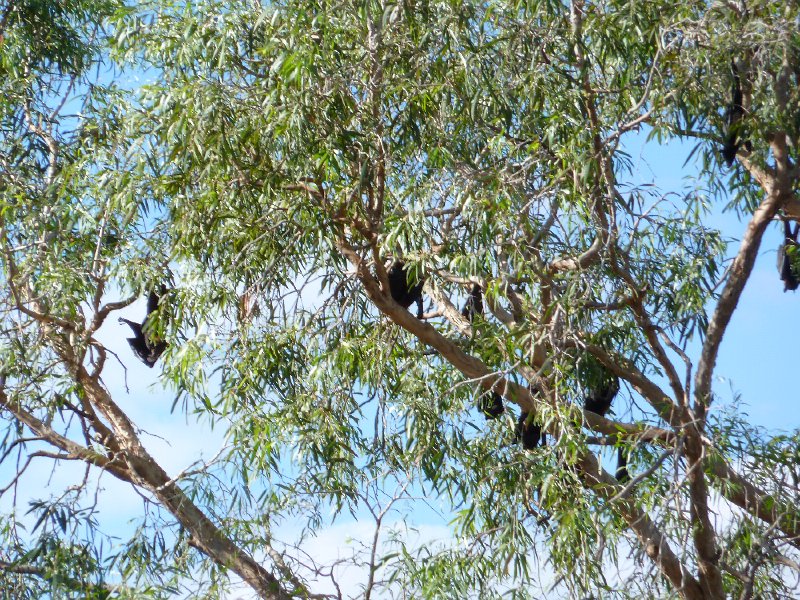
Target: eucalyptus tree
x,y
275,164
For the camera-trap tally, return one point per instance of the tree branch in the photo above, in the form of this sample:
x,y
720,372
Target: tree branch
x,y
654,542
73,449
756,502
739,273
656,546
145,472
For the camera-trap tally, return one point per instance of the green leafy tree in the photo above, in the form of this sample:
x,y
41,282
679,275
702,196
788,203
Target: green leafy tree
x,y
274,164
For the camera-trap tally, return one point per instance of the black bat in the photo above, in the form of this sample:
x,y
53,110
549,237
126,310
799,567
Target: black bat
x,y
491,405
474,304
528,432
733,116
143,344
403,292
788,274
599,402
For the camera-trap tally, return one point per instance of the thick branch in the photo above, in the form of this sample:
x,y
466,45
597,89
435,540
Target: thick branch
x,y
584,261
791,208
703,531
740,272
87,591
21,569
703,534
148,474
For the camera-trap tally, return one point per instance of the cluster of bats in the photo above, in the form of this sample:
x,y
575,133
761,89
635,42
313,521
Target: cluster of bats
x,y
491,404
148,346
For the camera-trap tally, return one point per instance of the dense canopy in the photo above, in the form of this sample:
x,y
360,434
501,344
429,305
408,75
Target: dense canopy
x,y
283,180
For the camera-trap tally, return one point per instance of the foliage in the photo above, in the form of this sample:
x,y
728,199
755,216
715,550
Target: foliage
x,y
267,163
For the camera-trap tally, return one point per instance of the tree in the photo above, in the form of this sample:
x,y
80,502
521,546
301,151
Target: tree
x,y
274,165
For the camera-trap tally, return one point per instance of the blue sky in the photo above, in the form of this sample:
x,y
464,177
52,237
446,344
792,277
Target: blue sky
x,y
755,359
